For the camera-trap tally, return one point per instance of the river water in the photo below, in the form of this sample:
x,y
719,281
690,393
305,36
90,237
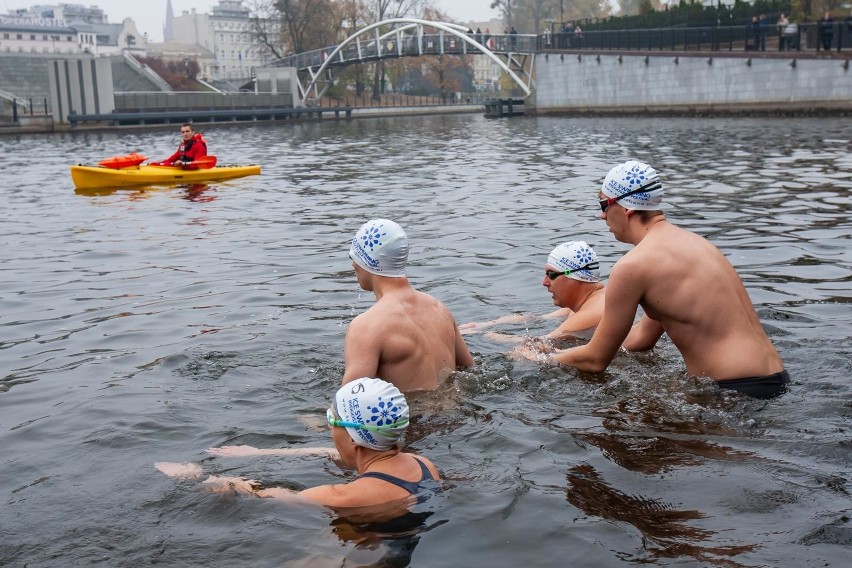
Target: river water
x,y
144,326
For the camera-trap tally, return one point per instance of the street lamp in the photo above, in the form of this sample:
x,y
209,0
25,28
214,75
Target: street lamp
x,y
561,15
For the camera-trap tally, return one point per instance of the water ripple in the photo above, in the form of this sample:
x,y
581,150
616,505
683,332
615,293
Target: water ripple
x,y
146,325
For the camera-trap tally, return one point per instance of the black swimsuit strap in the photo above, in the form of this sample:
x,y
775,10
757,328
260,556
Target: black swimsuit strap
x,y
411,486
426,474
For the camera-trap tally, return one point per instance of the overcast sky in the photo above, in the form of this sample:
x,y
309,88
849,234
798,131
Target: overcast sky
x,y
150,15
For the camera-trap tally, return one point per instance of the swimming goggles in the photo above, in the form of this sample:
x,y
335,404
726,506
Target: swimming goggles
x,y
652,186
334,421
553,274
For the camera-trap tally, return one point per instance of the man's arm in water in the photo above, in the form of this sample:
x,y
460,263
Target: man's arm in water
x,y
362,349
644,335
463,356
620,305
476,327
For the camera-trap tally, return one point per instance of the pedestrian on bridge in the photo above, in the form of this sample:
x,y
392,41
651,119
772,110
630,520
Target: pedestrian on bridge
x,y
826,30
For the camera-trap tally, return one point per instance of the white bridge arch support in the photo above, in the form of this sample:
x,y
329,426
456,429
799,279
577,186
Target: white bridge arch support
x,y
336,57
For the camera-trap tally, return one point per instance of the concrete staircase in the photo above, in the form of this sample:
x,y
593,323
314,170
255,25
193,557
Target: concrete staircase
x,y
25,76
126,79
224,86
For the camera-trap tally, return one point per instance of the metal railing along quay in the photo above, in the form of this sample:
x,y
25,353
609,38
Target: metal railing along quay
x,y
141,108
193,100
19,107
809,37
210,116
390,100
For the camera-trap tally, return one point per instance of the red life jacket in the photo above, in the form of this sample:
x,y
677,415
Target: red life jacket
x,y
192,149
197,138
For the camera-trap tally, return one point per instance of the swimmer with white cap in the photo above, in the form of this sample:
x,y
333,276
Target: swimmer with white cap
x,y
380,247
407,337
687,289
572,276
367,418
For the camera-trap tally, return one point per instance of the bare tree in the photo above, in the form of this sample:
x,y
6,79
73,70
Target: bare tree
x,y
265,22
307,24
527,15
507,9
530,14
386,9
628,7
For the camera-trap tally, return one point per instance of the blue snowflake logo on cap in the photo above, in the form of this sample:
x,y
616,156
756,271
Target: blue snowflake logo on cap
x,y
372,237
584,255
636,176
384,413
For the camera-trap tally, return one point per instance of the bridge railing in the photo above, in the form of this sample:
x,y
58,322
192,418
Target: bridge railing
x,y
795,37
408,44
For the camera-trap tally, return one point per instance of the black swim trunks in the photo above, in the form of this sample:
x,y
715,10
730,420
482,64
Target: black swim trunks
x,y
769,386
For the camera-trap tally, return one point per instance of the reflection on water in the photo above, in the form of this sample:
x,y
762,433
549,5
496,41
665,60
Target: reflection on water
x,y
387,543
197,192
200,193
656,454
666,529
148,325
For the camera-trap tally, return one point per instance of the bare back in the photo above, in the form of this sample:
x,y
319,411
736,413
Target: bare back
x,y
407,338
692,290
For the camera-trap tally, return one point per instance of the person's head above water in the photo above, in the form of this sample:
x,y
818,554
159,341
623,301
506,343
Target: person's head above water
x,y
380,247
374,413
576,260
633,185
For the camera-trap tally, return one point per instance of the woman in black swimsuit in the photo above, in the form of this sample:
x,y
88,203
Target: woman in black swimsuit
x,y
367,419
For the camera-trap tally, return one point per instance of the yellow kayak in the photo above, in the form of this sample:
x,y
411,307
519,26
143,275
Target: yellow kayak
x,y
97,177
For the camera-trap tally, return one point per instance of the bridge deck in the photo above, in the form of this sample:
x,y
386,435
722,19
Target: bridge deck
x,y
409,45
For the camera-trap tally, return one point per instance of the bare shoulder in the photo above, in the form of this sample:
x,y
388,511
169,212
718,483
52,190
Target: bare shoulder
x,y
669,235
674,247
374,316
428,302
656,251
634,262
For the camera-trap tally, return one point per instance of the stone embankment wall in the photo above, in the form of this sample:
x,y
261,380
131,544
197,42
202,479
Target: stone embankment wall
x,y
606,82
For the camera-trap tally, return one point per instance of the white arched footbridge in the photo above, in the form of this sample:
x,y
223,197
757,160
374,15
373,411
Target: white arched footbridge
x,y
513,53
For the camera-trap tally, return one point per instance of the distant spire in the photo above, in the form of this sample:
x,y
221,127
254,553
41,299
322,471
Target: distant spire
x,y
168,33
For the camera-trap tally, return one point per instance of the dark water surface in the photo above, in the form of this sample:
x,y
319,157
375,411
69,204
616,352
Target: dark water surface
x,y
144,326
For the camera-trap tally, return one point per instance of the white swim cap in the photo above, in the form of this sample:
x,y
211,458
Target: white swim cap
x,y
629,177
380,247
374,403
578,259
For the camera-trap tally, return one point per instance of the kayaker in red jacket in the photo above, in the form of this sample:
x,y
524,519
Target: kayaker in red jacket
x,y
192,147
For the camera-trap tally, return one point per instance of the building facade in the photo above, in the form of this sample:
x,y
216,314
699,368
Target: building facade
x,y
229,32
67,28
486,73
